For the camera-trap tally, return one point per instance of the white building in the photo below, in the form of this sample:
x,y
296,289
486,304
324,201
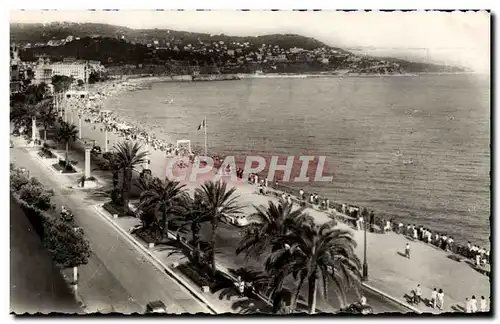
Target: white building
x,y
78,70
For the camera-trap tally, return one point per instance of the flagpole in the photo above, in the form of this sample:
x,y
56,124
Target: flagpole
x,y
205,122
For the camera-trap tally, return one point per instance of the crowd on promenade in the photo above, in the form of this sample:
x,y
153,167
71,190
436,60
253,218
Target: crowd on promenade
x,y
355,218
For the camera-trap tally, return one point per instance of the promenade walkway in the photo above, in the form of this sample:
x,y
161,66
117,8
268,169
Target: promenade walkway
x,y
392,273
389,270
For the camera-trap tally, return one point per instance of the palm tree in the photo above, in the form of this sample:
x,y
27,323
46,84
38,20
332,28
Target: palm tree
x,y
67,132
128,156
220,204
265,225
113,166
318,254
48,118
194,214
165,197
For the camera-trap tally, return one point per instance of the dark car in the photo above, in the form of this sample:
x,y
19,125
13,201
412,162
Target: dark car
x,y
156,307
357,308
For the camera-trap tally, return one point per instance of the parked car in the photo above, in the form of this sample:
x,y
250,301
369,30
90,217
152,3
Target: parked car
x,y
156,307
357,308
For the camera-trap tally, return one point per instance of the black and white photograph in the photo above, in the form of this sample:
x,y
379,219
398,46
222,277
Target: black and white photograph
x,y
275,162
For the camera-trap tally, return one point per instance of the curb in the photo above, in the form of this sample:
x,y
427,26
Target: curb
x,y
375,290
167,269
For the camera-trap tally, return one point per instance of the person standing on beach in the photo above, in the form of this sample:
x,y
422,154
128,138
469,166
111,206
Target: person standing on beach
x,y
440,299
289,199
482,305
301,194
434,298
407,250
468,306
473,303
311,199
415,234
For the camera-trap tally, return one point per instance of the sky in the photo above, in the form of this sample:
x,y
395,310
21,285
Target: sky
x,y
461,38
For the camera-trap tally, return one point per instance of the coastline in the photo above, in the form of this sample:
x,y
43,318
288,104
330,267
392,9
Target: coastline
x,y
158,157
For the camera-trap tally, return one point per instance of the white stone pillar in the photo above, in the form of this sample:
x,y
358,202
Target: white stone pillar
x,y
105,138
146,163
87,162
80,126
33,129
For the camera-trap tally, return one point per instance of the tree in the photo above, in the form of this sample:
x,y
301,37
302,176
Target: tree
x,y
48,117
67,132
220,204
265,225
194,214
68,246
113,165
34,194
318,254
164,197
18,179
127,157
61,83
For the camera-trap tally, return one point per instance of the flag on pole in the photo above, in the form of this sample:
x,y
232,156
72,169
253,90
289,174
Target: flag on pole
x,y
202,125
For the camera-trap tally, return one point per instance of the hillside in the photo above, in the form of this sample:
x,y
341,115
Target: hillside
x,y
116,45
32,33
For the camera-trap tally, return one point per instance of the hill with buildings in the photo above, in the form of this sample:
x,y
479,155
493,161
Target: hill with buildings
x,y
178,52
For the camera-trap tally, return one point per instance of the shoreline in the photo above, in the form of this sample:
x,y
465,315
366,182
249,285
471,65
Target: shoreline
x,y
158,157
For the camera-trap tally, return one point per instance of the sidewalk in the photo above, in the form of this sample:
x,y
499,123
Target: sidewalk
x,y
392,273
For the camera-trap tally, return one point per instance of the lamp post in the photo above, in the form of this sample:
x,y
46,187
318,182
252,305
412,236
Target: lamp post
x,y
365,262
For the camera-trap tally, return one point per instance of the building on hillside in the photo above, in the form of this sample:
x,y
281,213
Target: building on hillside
x,y
78,70
15,69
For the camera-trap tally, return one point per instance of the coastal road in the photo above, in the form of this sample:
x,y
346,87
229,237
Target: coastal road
x,y
227,240
36,285
117,278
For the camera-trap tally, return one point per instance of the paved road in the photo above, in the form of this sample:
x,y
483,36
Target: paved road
x,y
117,277
36,285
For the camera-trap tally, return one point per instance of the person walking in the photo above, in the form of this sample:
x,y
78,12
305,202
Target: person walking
x,y
434,298
418,292
482,304
363,300
407,250
473,304
440,299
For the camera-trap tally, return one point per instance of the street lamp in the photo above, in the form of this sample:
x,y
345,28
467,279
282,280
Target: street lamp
x,y
79,125
365,262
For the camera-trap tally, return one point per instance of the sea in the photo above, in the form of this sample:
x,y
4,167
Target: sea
x,y
412,148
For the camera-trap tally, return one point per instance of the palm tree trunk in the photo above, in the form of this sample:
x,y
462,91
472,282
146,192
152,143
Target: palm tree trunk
x,y
296,296
196,242
165,221
67,152
313,285
45,135
125,188
214,228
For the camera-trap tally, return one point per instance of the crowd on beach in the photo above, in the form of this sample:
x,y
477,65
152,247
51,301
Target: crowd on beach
x,y
89,106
